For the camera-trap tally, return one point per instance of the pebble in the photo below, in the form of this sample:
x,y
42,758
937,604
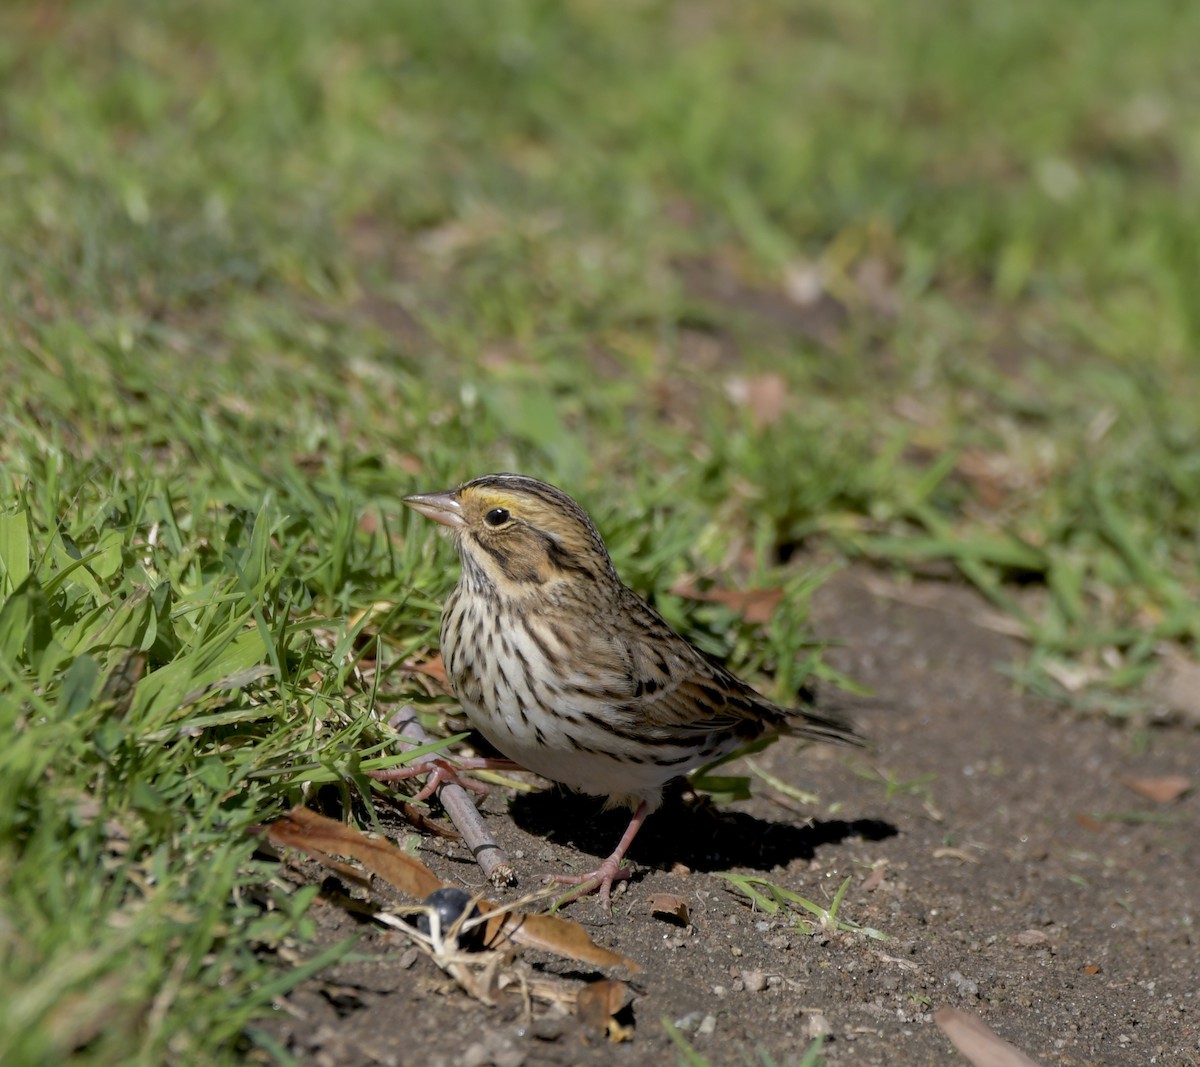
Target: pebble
x,y
754,981
965,986
817,1026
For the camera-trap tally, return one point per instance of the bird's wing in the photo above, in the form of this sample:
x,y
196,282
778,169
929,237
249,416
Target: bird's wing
x,y
672,690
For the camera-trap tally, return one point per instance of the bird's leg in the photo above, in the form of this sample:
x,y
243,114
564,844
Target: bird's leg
x,y
602,878
441,771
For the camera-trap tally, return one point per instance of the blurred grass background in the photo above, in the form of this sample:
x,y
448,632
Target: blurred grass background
x,y
768,286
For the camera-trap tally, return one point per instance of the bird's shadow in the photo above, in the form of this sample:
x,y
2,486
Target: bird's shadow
x,y
687,830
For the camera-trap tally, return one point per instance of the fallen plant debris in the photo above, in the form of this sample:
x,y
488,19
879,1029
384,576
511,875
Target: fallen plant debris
x,y
484,974
977,1041
1160,790
670,908
598,1005
756,606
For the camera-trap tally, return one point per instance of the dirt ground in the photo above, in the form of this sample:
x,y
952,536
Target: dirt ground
x,y
1015,872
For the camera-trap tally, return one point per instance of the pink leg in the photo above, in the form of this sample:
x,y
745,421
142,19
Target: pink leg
x,y
441,771
610,870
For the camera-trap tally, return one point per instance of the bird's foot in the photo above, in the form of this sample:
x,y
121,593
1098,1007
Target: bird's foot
x,y
442,772
598,881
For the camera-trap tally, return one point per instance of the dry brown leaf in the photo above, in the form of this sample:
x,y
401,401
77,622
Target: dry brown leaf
x,y
318,837
432,668
420,820
960,854
120,684
1031,939
764,395
597,1005
670,907
875,879
1161,790
549,932
977,1041
754,605
986,474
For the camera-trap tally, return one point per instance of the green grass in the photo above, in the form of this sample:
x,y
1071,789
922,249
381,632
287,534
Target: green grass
x,y
769,898
265,269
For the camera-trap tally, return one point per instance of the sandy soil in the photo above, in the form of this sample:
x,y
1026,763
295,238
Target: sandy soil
x,y
1017,875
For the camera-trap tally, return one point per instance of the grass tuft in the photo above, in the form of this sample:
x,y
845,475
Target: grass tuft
x,y
264,272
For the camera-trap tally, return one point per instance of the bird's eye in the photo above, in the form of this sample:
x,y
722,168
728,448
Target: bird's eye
x,y
496,517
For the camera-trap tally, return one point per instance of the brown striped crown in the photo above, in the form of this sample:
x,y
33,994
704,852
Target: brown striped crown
x,y
520,533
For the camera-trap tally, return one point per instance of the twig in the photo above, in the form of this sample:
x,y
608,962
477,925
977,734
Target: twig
x,y
455,799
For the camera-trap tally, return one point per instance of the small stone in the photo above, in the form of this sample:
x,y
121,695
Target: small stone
x,y
754,981
550,1027
817,1026
707,1026
475,1055
965,986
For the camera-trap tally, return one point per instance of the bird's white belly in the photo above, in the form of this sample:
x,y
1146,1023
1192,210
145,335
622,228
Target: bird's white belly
x,y
545,727
555,756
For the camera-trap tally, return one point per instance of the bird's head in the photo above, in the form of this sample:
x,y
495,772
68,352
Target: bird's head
x,y
521,535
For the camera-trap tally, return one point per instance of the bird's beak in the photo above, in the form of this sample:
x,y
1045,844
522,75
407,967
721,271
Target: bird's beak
x,y
441,507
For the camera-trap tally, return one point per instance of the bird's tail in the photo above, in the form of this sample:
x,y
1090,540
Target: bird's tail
x,y
821,726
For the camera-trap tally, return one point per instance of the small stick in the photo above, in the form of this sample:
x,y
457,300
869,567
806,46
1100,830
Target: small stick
x,y
455,799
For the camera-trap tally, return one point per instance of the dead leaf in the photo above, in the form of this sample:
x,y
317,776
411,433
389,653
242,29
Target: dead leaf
x,y
1091,969
318,836
1160,790
563,936
420,820
119,685
977,1041
754,605
764,395
597,1005
1031,939
670,907
988,475
875,879
960,854
310,463
432,668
